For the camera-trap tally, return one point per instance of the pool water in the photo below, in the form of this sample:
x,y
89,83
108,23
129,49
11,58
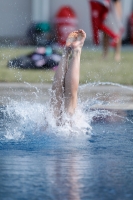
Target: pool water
x,y
39,164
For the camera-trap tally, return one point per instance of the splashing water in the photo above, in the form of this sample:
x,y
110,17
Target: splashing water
x,y
23,118
106,83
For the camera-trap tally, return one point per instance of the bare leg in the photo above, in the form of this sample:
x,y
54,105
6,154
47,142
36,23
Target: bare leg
x,y
117,55
75,41
58,85
66,79
117,48
118,9
105,45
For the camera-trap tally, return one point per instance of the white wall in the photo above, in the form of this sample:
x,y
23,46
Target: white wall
x,y
127,6
40,10
15,16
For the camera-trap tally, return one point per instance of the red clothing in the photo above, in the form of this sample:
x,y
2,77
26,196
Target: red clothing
x,y
105,3
98,14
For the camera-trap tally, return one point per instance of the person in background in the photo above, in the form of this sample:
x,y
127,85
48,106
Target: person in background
x,y
106,16
114,21
99,11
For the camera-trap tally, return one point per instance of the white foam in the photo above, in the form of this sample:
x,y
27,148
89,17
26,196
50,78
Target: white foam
x,y
25,117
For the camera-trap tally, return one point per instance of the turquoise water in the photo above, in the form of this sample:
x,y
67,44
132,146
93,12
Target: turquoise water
x,y
90,160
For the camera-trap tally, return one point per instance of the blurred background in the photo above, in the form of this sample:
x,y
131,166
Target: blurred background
x,y
26,25
17,17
